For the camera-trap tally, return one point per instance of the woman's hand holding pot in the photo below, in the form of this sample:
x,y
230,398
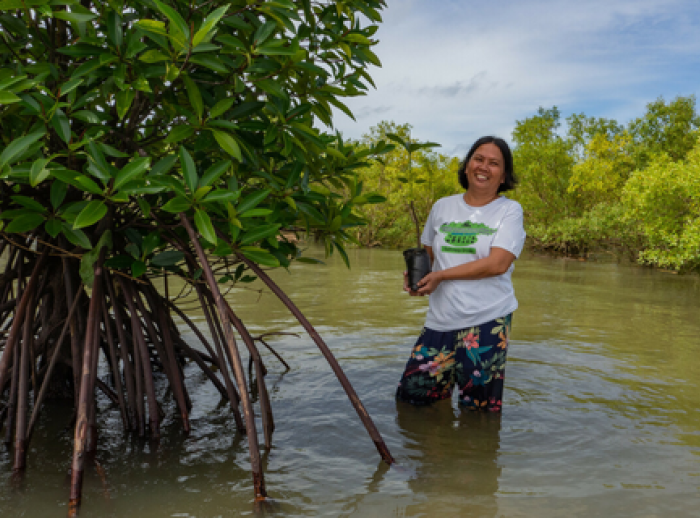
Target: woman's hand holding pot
x,y
429,283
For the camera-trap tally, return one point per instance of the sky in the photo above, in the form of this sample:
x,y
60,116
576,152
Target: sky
x,y
456,70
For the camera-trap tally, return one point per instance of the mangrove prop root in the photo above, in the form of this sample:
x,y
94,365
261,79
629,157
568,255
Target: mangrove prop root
x,y
127,366
232,395
256,465
144,358
269,348
350,391
265,407
52,364
23,392
87,394
114,365
56,333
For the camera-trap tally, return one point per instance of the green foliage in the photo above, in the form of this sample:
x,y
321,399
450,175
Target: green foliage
x,y
543,162
663,200
666,128
635,190
606,164
426,178
122,115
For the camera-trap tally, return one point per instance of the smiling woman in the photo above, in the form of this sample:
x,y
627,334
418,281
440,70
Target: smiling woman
x,y
472,240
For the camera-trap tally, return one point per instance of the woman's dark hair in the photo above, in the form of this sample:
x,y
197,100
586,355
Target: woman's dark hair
x,y
510,179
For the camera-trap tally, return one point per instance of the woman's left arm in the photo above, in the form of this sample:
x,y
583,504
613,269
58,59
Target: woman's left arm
x,y
497,263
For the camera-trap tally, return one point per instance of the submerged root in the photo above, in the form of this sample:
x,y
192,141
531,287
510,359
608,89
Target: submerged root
x,y
55,331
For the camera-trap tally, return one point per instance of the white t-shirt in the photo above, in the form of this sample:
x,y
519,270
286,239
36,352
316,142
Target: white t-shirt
x,y
459,233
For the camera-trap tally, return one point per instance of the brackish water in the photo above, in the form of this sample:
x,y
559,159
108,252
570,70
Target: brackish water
x,y
601,411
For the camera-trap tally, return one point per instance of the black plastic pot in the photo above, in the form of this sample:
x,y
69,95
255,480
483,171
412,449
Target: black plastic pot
x,y
417,265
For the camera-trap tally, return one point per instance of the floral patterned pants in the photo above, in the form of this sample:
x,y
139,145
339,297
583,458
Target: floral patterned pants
x,y
473,358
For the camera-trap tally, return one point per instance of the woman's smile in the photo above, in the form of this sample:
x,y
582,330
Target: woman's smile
x,y
485,170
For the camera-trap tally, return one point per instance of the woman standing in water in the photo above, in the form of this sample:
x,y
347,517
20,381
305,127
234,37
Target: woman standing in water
x,y
472,240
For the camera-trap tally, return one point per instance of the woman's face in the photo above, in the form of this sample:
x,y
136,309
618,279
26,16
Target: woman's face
x,y
486,170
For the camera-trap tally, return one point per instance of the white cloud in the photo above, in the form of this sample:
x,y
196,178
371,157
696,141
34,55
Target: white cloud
x,y
458,69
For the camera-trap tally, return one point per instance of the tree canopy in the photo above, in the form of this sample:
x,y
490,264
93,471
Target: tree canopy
x,y
134,112
604,186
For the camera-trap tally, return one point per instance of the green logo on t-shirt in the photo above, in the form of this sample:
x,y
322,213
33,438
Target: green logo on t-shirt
x,y
461,235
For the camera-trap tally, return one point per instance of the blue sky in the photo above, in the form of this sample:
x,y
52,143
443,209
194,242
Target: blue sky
x,y
459,69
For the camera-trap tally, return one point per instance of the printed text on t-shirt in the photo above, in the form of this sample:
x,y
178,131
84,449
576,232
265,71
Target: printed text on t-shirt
x,y
461,235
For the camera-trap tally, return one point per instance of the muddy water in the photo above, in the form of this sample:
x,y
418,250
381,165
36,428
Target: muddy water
x,y
601,411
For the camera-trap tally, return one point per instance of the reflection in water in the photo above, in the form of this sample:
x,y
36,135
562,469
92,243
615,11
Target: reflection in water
x,y
455,454
601,410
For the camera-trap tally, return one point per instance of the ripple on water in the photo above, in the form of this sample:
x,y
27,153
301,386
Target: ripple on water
x,y
600,416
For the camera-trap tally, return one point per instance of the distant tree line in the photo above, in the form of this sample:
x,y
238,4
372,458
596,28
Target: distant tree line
x,y
633,190
593,185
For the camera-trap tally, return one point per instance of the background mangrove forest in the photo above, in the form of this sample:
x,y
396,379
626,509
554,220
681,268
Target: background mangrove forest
x,y
587,184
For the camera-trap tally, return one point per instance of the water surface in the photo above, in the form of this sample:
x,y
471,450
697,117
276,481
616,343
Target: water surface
x,y
601,410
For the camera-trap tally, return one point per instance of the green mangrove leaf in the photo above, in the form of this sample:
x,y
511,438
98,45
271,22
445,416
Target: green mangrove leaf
x,y
25,223
138,268
208,24
177,204
70,85
194,96
153,56
150,243
179,133
29,203
255,213
163,166
38,173
221,195
221,107
214,172
91,214
77,236
252,200
114,28
87,263
201,192
18,146
53,227
124,100
223,249
175,19
153,27
210,62
8,97
264,32
74,17
189,171
132,170
60,123
259,233
144,206
167,258
58,193
204,226
228,143
262,258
